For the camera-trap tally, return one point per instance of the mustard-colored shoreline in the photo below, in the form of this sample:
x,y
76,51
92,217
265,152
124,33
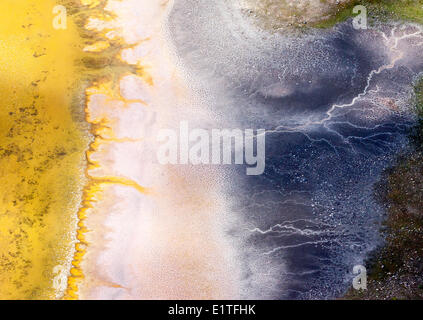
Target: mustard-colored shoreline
x,y
44,138
105,69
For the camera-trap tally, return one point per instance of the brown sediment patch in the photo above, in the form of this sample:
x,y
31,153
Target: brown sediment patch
x,y
277,14
396,269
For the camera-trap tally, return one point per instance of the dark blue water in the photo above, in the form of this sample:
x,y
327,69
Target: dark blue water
x,y
336,105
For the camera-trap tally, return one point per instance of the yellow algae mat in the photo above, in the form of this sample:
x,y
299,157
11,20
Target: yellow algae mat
x,y
42,145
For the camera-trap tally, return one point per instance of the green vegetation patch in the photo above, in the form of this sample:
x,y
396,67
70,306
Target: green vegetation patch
x,y
380,10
